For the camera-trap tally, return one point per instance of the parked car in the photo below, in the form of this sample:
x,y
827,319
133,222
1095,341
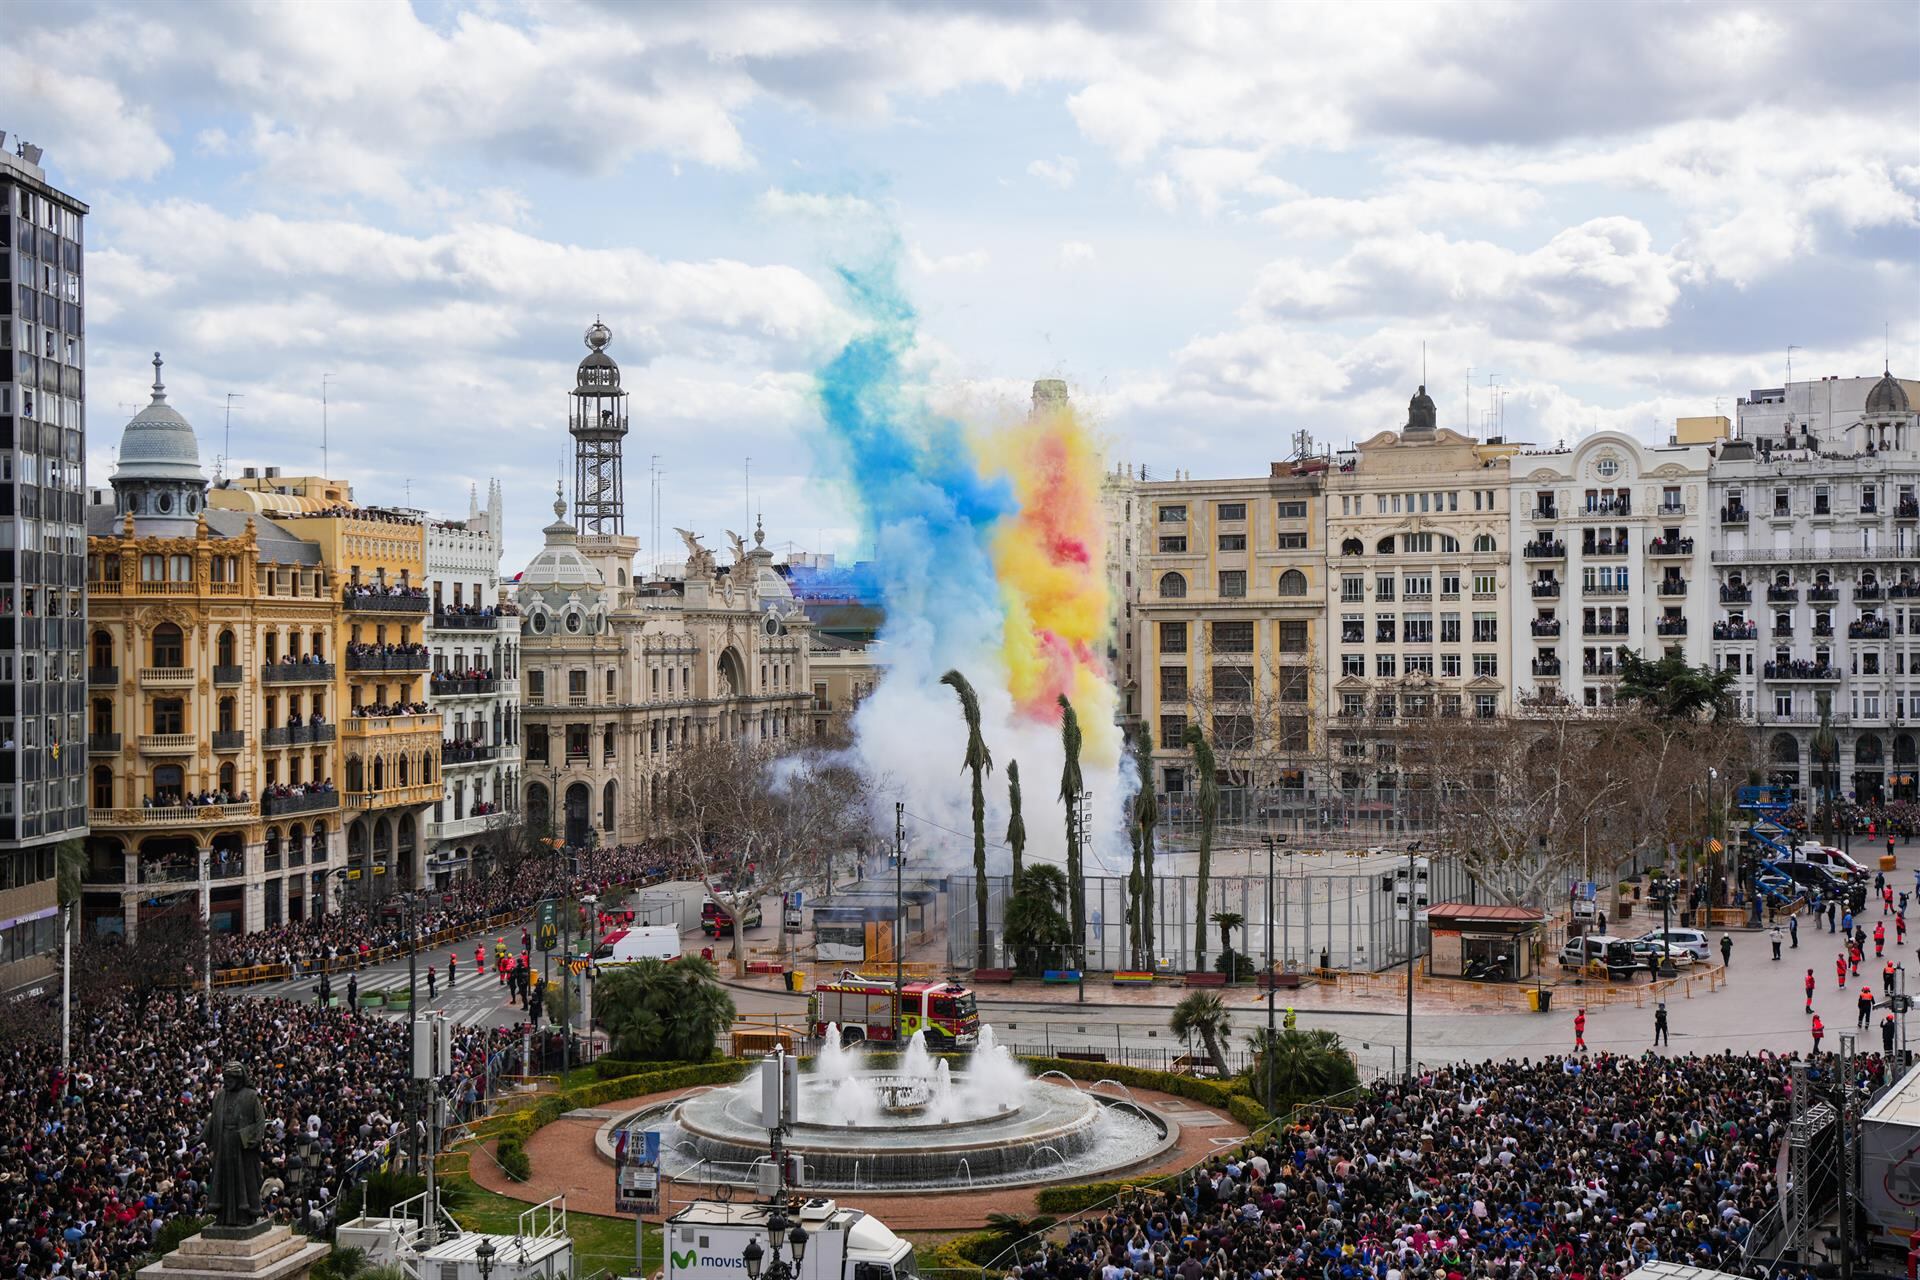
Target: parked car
x,y
1807,876
1692,941
1649,950
1601,948
1835,860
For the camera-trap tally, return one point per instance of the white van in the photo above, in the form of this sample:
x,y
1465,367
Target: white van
x,y
644,942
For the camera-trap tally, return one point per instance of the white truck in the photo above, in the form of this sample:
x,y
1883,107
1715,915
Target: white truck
x,y
642,942
707,1241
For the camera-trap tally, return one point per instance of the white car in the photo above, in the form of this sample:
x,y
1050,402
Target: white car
x,y
1692,941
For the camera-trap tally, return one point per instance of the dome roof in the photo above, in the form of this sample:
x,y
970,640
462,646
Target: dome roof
x,y
1887,396
159,444
559,563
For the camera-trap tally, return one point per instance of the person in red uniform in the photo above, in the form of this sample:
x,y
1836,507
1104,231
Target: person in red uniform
x,y
1809,990
1840,969
1819,1030
453,962
1880,937
1580,1029
1865,1005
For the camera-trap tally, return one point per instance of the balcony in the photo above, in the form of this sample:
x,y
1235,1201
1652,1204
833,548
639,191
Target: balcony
x,y
462,688
229,675
1823,630
1807,553
229,740
312,802
414,602
1733,515
1823,595
457,753
103,676
1673,586
1544,626
1671,510
1907,509
167,744
383,726
1801,670
1547,512
1600,508
293,735
1870,629
1736,631
1546,591
296,673
1602,589
1670,547
1605,629
389,661
174,815
1670,627
1600,670
1597,550
1869,591
1544,550
167,677
464,621
1766,715
1736,595
412,795
1783,595
1904,590
103,744
1546,667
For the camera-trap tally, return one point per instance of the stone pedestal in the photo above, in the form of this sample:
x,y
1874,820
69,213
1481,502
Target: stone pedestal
x,y
261,1252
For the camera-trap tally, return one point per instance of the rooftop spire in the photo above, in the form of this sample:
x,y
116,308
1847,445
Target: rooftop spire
x,y
159,387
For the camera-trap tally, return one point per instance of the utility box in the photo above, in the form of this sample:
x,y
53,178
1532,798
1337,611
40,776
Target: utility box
x,y
707,1240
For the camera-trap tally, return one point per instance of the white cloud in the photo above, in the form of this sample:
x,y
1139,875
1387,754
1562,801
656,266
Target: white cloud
x,y
972,262
1058,172
1076,253
779,203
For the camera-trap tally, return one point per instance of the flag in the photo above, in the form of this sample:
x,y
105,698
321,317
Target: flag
x,y
1714,846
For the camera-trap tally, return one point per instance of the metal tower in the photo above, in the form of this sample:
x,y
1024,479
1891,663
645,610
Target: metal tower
x,y
598,423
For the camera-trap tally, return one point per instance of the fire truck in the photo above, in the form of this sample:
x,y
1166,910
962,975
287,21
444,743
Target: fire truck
x,y
862,1007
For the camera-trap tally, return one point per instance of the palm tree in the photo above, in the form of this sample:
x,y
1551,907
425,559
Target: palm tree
x,y
661,1012
1146,813
1304,1065
1036,923
980,761
70,872
1071,785
1203,1014
1133,899
1227,922
1011,1230
1016,825
1206,799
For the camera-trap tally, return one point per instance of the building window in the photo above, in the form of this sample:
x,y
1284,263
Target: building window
x,y
1173,543
1291,541
1173,683
1173,586
1232,637
1353,628
1292,510
1233,511
1173,728
169,647
1485,706
1172,514
1353,665
1233,583
1233,542
1173,637
1383,586
1232,684
1486,664
1385,666
1293,637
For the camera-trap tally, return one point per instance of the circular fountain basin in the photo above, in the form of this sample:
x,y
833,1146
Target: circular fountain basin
x,y
1049,1133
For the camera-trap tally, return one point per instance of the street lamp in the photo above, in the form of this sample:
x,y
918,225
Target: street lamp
x,y
483,1255
753,1255
1667,885
1272,839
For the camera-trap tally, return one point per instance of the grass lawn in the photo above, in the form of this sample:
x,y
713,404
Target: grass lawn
x,y
599,1244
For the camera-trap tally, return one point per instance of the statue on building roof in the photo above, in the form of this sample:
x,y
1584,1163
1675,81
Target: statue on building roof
x,y
699,559
1421,415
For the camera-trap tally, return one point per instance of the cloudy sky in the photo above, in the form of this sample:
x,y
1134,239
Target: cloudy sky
x,y
1221,223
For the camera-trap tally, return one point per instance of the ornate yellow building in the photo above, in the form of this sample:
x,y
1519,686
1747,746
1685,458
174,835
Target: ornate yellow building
x,y
389,735
211,693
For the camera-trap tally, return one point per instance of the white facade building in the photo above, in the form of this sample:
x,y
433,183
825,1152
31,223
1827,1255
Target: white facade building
x,y
474,642
1818,568
1609,550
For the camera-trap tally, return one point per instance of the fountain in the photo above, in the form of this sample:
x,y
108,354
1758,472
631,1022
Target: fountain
x,y
915,1124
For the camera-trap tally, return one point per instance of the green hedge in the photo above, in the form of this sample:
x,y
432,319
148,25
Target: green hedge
x,y
513,1159
961,1253
1077,1196
522,1125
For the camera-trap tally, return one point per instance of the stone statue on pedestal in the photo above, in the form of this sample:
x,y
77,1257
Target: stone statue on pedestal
x,y
233,1134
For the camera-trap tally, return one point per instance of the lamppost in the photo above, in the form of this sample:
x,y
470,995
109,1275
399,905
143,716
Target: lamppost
x,y
1413,848
483,1257
1667,884
1272,839
777,1268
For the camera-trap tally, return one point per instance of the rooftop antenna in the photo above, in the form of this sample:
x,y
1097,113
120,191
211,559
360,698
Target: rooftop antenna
x,y
1469,399
226,447
1423,362
1790,351
325,466
747,489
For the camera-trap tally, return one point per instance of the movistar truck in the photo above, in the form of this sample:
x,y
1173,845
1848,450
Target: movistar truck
x,y
708,1240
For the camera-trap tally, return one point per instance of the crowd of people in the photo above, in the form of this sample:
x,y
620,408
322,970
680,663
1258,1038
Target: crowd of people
x,y
388,649
1587,1167
93,1167
302,660
1876,818
470,673
402,708
291,790
176,799
356,931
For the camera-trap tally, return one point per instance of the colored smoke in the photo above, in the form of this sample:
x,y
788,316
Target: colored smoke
x,y
989,558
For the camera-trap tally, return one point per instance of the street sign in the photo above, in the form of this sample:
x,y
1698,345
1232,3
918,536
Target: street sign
x,y
636,1170
546,914
549,936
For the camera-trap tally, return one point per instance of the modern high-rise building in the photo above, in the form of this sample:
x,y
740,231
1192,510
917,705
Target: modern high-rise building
x,y
42,556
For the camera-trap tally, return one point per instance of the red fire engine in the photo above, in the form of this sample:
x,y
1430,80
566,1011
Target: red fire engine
x,y
862,1007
